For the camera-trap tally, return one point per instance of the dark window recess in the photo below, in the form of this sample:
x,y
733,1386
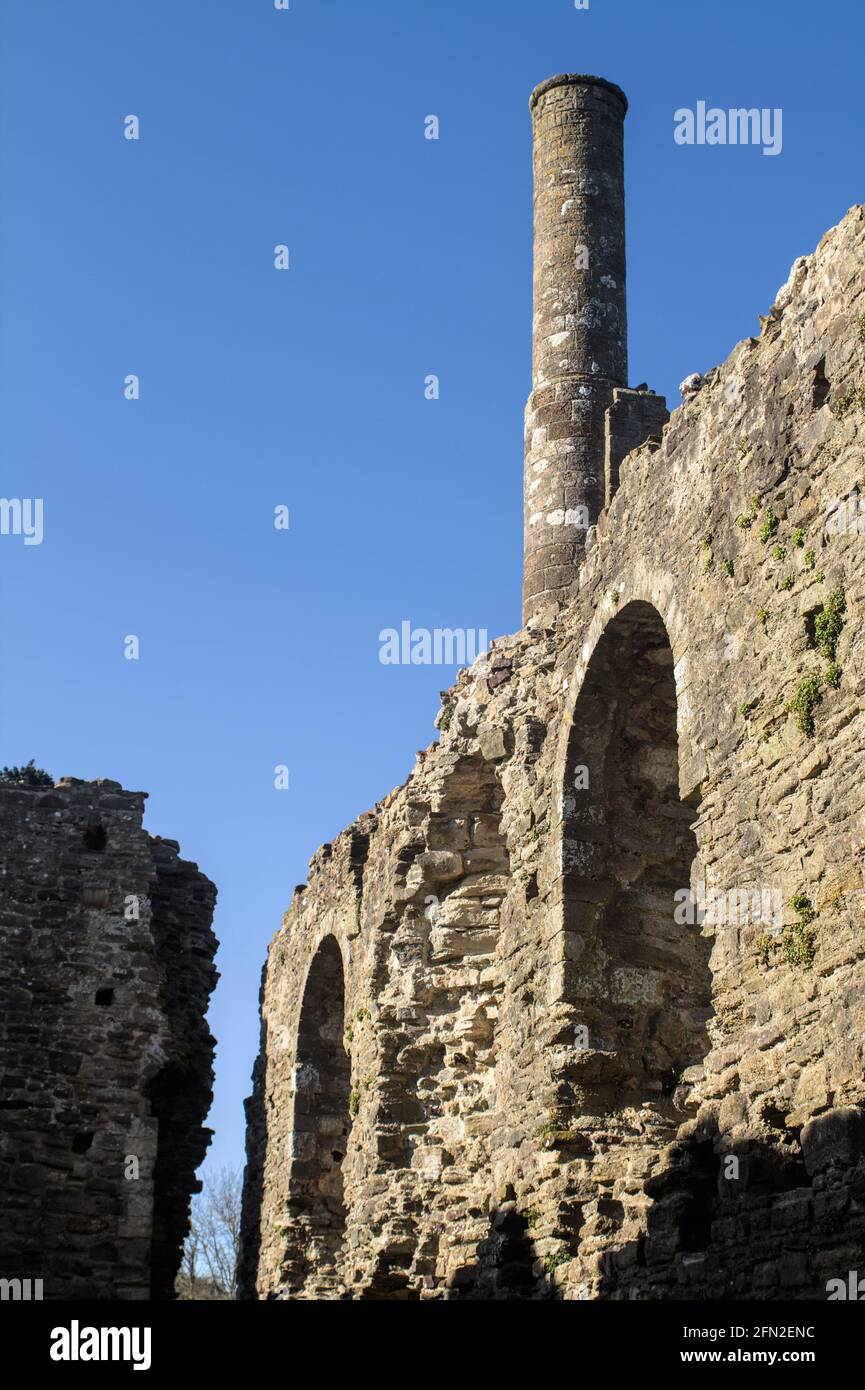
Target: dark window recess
x,y
95,837
104,996
695,1216
820,386
81,1142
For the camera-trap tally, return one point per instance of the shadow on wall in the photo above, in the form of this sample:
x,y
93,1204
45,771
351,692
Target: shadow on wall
x,y
173,1097
505,1265
253,1175
756,1219
503,1270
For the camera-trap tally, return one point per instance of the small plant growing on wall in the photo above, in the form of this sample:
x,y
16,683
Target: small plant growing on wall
x,y
769,527
809,692
799,948
765,946
706,551
558,1258
829,624
801,905
27,776
799,940
845,403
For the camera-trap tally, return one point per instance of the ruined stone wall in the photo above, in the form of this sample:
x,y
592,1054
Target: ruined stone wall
x,y
561,1080
632,419
106,969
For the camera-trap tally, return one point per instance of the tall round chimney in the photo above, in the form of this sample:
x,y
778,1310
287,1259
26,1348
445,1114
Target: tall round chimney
x,y
579,336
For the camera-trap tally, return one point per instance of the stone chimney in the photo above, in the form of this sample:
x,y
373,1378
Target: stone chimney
x,y
580,336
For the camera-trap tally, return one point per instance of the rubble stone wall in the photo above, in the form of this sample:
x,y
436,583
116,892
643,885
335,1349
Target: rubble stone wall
x,y
601,959
106,967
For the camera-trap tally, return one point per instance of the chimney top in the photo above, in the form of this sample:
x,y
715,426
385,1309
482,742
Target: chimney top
x,y
567,79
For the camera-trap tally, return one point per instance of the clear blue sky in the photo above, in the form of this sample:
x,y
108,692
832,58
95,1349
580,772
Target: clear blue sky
x,y
305,388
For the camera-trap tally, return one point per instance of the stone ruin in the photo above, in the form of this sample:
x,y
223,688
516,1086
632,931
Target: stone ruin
x,y
106,969
577,1011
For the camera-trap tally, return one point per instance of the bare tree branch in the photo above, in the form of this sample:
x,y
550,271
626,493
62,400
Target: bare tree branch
x,y
214,1239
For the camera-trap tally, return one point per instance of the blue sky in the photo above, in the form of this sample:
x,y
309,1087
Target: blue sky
x,y
306,388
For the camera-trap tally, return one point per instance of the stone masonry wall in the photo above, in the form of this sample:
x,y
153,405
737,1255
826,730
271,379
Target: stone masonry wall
x,y
106,967
561,1081
633,418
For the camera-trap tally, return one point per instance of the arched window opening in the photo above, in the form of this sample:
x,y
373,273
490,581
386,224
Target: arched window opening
x,y
639,984
322,1118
